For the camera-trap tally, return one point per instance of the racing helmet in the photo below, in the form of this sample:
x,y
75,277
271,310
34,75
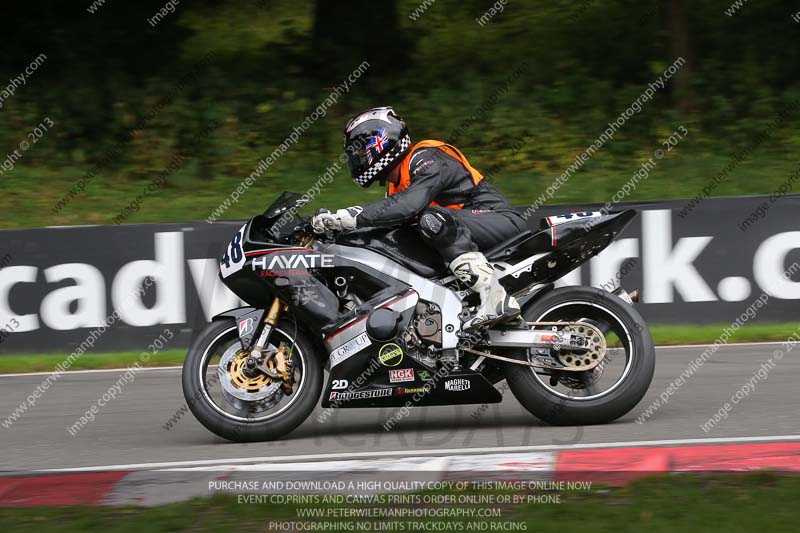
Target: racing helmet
x,y
375,141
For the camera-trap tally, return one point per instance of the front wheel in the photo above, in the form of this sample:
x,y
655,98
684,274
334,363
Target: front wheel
x,y
608,391
244,408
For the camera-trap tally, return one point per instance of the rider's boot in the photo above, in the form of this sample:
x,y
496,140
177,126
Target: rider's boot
x,y
474,270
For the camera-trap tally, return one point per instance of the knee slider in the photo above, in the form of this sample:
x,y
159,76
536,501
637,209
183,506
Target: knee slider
x,y
438,226
432,225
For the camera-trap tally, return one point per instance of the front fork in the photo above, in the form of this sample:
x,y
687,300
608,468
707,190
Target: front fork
x,y
274,313
270,321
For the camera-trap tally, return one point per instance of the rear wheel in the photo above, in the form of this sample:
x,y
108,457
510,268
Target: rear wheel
x,y
608,391
241,408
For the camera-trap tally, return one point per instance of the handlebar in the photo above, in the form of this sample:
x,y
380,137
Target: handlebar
x,y
308,235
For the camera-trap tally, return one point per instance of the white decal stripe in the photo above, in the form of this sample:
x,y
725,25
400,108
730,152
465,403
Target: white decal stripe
x,y
448,301
349,349
398,303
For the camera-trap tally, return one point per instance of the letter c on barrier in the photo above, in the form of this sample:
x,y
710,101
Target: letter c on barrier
x,y
769,268
10,276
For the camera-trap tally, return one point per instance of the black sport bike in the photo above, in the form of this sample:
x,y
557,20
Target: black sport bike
x,y
379,311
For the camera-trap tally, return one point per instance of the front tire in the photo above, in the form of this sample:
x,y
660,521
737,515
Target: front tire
x,y
573,304
210,412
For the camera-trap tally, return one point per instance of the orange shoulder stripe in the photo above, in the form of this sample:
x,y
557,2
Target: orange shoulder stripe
x,y
405,173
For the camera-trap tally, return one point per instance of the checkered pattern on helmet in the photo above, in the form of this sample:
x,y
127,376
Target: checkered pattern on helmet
x,y
368,175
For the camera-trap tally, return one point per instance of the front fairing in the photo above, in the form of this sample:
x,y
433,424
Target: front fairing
x,y
258,272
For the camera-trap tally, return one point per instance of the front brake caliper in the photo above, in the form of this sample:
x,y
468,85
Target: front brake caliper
x,y
284,367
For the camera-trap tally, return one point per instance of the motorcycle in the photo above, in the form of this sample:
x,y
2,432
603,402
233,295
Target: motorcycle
x,y
380,312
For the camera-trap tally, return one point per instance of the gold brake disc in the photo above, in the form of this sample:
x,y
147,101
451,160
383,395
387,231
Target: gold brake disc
x,y
596,348
242,381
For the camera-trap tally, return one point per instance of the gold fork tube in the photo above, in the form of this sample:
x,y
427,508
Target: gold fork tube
x,y
274,313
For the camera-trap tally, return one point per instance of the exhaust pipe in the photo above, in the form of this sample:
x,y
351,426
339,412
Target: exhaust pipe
x,y
631,298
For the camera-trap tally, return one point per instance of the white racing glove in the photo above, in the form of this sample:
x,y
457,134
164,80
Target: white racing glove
x,y
341,220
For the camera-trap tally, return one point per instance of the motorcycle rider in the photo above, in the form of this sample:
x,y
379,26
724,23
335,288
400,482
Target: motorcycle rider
x,y
459,213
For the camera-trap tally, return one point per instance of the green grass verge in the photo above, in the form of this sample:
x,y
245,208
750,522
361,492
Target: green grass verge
x,y
662,335
29,196
730,504
47,362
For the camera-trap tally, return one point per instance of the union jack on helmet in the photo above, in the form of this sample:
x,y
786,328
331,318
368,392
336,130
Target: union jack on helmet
x,y
375,141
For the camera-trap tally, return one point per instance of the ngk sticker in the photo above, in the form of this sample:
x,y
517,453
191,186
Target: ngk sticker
x,y
399,375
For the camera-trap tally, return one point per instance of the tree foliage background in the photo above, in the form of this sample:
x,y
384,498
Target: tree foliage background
x,y
257,68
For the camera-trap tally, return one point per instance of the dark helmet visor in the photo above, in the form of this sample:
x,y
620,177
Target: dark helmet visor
x,y
356,160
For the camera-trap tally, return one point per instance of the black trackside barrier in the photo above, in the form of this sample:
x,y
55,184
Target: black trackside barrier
x,y
110,288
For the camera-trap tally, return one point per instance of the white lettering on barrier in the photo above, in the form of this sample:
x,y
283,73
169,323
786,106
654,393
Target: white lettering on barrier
x,y
609,262
167,271
214,296
668,270
667,266
769,267
10,276
90,311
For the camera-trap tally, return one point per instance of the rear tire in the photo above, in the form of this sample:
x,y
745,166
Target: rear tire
x,y
225,331
557,410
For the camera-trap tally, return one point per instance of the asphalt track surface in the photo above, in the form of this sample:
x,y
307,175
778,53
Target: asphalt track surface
x,y
130,430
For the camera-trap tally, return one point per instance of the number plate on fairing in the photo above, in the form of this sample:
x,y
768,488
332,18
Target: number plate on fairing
x,y
234,258
560,219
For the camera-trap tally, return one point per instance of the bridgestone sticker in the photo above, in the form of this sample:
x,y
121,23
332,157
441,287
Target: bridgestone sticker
x,y
360,395
349,349
246,326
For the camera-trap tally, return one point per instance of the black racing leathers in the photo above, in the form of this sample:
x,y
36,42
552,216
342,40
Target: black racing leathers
x,y
486,218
